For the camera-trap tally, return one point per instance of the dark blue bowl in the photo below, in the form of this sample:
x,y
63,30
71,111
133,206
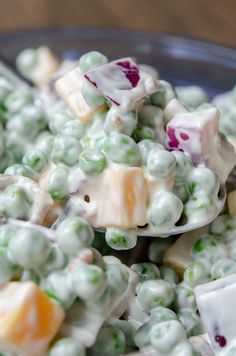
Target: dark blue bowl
x,y
181,61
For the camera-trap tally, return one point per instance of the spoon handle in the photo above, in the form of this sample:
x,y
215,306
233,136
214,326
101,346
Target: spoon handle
x,y
9,71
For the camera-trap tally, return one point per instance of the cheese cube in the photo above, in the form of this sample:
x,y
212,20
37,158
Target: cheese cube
x,y
216,304
28,319
117,197
231,200
197,134
123,82
178,256
69,88
46,66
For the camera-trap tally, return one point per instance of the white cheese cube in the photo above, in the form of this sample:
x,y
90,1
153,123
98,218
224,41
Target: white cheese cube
x,y
197,134
123,82
216,304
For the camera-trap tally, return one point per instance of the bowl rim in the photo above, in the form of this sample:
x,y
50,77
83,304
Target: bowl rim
x,y
203,45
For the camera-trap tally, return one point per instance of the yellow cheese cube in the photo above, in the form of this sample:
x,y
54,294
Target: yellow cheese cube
x,y
28,319
69,88
178,256
117,197
231,200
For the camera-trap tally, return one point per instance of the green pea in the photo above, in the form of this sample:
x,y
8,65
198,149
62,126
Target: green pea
x,y
122,149
223,267
183,166
57,287
143,133
73,234
121,239
127,328
209,248
66,150
142,336
118,279
198,207
204,180
161,163
224,226
28,248
191,96
146,270
16,147
191,322
7,231
26,61
162,97
74,128
88,281
57,184
91,95
36,114
181,191
120,121
92,162
185,348
157,249
110,341
151,116
146,146
165,210
36,160
169,274
15,203
67,346
160,314
184,297
58,119
153,293
196,274
20,170
158,99
7,268
91,60
166,335
16,100
56,260
45,142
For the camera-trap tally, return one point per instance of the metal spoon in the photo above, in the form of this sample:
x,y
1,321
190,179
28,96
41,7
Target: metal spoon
x,y
150,232
9,71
